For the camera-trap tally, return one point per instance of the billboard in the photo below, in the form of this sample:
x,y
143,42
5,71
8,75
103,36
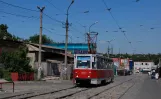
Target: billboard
x,y
116,61
124,63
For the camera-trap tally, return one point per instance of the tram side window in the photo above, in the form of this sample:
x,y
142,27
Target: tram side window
x,y
94,64
108,65
98,63
105,64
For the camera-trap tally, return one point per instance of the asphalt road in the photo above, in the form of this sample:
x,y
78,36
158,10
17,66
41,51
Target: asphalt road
x,y
145,88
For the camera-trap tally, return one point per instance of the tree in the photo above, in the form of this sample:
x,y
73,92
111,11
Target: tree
x,y
16,61
35,39
4,34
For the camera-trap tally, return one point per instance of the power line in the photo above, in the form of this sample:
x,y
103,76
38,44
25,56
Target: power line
x,y
52,4
109,9
18,6
28,10
53,19
18,15
59,34
53,32
31,16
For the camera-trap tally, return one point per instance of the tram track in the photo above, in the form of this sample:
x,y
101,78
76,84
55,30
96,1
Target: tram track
x,y
93,91
68,93
108,89
25,95
126,91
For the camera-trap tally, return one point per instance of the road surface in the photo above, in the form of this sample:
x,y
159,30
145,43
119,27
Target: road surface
x,y
146,88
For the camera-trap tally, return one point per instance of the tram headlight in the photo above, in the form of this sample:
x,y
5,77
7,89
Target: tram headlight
x,y
88,76
90,72
77,76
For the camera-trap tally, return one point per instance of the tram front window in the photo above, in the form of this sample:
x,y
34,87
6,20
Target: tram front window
x,y
83,62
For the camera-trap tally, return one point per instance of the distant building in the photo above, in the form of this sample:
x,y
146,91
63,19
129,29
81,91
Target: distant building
x,y
143,66
74,48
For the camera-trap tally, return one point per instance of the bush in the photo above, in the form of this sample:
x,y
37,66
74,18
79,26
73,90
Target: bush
x,y
1,73
5,74
16,61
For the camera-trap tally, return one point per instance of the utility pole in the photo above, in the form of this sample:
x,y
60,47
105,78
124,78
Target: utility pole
x,y
66,37
108,51
40,43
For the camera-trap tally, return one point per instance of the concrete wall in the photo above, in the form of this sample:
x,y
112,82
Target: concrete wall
x,y
32,59
43,66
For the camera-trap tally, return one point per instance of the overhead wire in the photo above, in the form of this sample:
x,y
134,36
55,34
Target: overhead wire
x,y
109,9
53,32
57,33
33,11
52,5
18,15
53,19
29,10
18,6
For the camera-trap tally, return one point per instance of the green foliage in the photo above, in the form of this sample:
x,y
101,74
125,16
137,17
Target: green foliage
x,y
4,73
35,39
16,61
4,34
1,73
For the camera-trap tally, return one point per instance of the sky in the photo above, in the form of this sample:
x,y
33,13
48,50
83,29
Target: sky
x,y
141,21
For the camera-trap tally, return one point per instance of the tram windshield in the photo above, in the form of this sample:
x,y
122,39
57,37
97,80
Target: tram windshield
x,y
83,61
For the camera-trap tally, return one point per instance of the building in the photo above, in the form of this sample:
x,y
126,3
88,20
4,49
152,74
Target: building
x,y
52,57
143,66
73,48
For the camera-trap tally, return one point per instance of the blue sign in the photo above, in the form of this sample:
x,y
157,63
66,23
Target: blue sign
x,y
83,58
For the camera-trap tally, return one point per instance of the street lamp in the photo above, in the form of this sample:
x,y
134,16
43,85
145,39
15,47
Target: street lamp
x,y
92,25
110,41
66,41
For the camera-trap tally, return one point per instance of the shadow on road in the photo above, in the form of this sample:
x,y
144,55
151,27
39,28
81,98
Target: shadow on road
x,y
85,85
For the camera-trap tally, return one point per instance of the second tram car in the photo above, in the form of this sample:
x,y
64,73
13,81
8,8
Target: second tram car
x,y
92,68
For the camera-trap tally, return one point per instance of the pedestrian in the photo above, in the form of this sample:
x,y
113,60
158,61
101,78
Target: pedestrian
x,y
149,73
157,74
153,74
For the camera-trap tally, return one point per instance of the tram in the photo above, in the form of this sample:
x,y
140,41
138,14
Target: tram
x,y
93,69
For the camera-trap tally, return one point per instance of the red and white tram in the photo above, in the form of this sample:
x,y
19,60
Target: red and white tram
x,y
92,68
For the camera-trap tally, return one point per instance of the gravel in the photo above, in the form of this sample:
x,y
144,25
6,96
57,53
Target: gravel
x,y
46,89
